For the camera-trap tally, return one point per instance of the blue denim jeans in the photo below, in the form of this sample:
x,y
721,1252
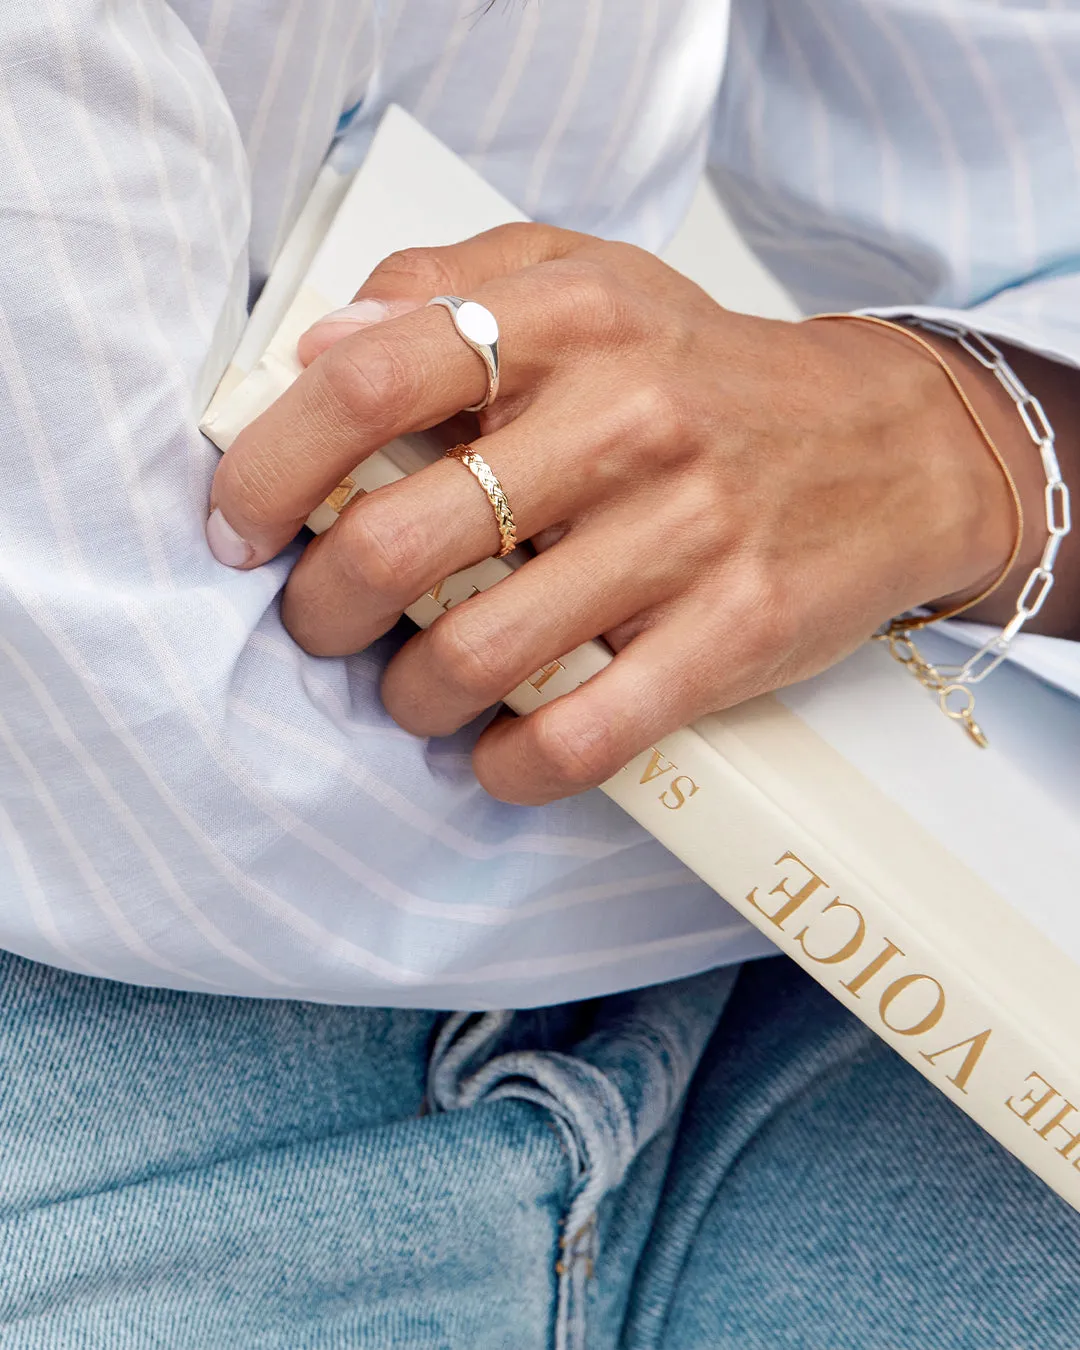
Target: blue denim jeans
x,y
729,1161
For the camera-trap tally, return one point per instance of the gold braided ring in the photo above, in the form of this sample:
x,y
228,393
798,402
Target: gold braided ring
x,y
481,471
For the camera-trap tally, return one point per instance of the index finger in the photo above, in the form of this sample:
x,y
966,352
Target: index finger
x,y
404,375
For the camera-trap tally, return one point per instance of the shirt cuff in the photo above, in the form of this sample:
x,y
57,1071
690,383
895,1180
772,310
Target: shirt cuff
x,y
1042,316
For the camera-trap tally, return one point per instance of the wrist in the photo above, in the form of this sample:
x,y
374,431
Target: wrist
x,y
1057,388
960,525
1007,517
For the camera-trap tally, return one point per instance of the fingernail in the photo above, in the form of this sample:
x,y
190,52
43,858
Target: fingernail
x,y
360,313
363,313
344,322
225,544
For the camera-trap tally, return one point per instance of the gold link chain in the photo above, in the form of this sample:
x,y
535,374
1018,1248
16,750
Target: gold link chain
x,y
952,684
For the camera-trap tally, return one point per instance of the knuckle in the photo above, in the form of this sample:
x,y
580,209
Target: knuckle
x,y
655,411
786,635
706,508
249,489
472,655
309,636
589,299
369,378
380,550
419,270
521,238
772,633
643,435
523,242
574,752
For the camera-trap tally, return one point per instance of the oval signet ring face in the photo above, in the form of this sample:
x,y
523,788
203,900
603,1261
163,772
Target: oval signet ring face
x,y
480,329
477,324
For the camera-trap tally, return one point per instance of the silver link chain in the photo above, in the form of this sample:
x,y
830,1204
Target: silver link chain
x,y
948,681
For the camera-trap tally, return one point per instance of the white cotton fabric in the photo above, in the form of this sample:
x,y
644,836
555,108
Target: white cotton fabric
x,y
186,799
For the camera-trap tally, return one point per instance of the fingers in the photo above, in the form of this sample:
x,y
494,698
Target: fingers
x,y
582,739
351,318
480,650
383,381
710,648
408,280
386,549
391,546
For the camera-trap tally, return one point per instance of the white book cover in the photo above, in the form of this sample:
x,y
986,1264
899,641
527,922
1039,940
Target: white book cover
x,y
930,885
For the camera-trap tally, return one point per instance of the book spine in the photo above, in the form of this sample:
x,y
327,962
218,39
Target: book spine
x,y
967,1041
836,925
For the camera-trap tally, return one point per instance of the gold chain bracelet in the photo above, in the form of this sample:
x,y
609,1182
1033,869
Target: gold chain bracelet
x,y
952,684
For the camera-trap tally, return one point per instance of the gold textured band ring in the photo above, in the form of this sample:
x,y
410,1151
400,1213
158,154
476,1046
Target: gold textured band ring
x,y
481,471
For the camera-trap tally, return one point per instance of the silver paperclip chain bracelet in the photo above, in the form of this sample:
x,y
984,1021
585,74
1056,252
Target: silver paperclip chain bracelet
x,y
956,680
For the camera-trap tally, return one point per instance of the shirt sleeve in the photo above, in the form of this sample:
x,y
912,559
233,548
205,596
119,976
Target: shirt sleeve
x,y
906,158
186,799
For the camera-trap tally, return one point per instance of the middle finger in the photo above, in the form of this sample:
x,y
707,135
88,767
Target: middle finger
x,y
388,548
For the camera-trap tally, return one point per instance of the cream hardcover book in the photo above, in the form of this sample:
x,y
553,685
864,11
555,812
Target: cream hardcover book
x,y
931,886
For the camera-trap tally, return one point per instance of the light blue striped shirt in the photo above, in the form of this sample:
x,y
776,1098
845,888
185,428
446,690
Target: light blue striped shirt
x,y
185,798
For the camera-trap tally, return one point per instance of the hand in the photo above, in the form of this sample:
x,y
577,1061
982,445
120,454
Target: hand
x,y
734,503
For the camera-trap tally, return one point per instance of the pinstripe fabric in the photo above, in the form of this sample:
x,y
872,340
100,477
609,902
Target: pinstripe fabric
x,y
186,799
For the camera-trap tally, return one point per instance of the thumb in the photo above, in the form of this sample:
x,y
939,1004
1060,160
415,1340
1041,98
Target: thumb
x,y
408,280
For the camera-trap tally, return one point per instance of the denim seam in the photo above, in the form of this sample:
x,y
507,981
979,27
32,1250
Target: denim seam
x,y
858,1053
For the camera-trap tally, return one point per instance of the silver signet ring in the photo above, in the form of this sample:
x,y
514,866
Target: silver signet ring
x,y
480,329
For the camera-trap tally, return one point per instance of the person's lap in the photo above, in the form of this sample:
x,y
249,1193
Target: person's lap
x,y
184,1171
824,1196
